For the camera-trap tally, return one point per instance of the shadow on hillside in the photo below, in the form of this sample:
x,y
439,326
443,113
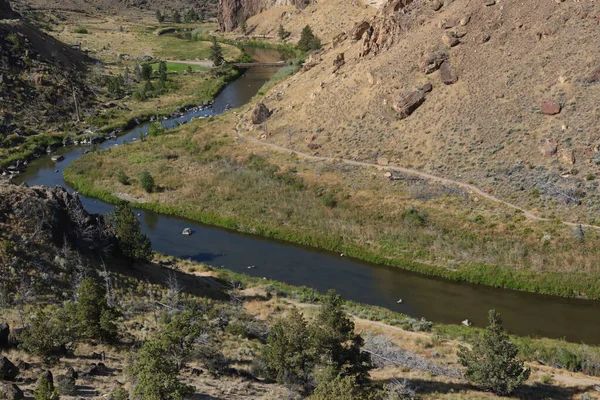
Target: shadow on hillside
x,y
156,274
529,392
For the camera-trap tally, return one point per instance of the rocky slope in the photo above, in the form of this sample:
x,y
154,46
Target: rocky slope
x,y
41,230
39,79
232,12
6,12
502,94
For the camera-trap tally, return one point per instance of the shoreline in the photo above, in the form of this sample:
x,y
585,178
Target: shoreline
x,y
493,276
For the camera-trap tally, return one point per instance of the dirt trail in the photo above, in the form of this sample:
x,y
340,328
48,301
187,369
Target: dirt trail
x,y
202,63
471,188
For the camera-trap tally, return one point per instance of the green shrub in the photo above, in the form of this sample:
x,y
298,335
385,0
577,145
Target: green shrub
x,y
119,394
157,377
123,178
81,30
50,331
147,181
45,391
413,217
156,129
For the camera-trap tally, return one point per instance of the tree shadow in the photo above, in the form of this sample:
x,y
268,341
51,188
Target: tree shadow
x,y
200,286
536,391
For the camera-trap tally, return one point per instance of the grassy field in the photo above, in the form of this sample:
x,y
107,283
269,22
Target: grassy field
x,y
179,67
206,173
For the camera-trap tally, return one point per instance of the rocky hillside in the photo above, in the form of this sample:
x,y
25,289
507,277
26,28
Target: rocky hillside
x,y
502,94
44,234
39,79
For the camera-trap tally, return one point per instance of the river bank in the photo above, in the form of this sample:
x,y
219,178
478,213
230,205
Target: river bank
x,y
413,245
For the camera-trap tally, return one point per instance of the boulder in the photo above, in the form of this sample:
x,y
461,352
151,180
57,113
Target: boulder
x,y
407,102
382,161
340,38
8,370
260,113
489,2
550,107
10,391
447,75
96,369
436,5
567,157
427,87
6,11
450,39
359,30
548,148
338,62
4,334
430,62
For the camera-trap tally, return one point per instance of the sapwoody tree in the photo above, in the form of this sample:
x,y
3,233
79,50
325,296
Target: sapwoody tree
x,y
216,52
132,243
492,359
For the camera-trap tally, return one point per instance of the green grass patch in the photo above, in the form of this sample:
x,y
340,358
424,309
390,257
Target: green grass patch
x,y
180,67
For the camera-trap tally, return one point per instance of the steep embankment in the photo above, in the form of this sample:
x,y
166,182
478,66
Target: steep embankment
x,y
233,12
512,109
42,85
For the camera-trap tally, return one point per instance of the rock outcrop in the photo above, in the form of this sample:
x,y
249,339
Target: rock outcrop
x,y
231,12
6,11
8,370
260,113
383,29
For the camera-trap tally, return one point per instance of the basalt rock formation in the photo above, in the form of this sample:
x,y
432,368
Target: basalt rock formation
x,y
232,12
6,11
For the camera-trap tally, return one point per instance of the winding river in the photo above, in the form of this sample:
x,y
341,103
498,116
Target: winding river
x,y
435,299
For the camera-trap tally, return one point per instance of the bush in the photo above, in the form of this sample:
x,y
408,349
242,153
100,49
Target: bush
x,y
308,41
119,394
45,391
65,385
147,181
491,362
50,331
180,335
337,388
213,360
156,129
413,217
156,377
81,30
123,178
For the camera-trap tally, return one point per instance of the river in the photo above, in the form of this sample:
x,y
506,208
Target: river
x,y
435,299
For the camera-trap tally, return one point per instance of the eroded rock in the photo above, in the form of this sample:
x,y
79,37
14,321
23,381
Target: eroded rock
x,y
430,62
8,370
10,391
550,107
260,113
338,62
447,75
407,102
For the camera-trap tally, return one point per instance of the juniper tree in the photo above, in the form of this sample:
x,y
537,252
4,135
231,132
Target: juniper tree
x,y
132,243
308,41
492,359
336,344
216,52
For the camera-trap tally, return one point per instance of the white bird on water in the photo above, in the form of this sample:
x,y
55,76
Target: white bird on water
x,y
399,301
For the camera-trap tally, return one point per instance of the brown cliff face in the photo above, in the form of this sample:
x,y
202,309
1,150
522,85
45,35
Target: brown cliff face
x,y
5,11
380,33
231,12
